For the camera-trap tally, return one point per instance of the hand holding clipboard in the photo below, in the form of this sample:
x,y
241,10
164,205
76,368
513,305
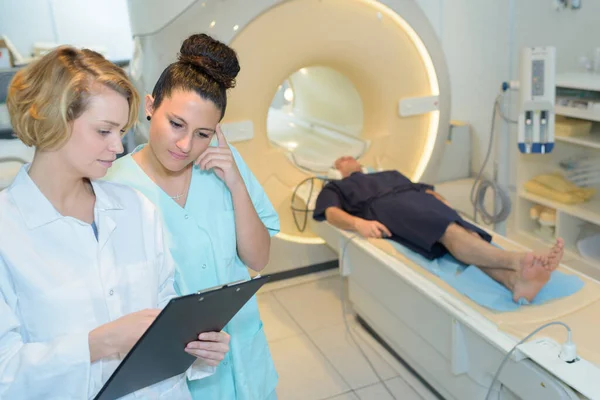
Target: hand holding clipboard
x,y
120,335
210,346
159,354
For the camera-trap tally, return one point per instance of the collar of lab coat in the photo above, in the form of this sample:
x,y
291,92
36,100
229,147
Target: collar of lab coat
x,y
37,210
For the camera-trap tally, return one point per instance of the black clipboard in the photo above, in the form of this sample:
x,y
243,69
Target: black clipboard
x,y
159,354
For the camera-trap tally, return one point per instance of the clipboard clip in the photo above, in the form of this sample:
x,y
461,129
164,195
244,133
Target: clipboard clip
x,y
227,285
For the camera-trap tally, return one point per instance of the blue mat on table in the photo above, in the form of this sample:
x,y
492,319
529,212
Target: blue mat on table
x,y
485,291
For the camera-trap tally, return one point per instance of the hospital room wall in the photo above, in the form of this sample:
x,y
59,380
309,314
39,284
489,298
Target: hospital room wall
x,y
475,42
574,33
82,23
476,38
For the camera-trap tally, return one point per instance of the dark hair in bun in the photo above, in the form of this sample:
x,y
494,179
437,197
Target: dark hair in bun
x,y
205,66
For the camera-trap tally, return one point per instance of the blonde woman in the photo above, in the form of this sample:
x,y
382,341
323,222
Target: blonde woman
x,y
84,269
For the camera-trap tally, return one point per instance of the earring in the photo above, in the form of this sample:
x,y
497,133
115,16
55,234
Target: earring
x,y
148,118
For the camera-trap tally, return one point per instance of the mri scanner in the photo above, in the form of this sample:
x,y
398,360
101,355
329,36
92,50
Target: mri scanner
x,y
382,66
387,101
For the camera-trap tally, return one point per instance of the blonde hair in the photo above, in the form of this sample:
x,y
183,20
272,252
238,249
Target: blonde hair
x,y
47,95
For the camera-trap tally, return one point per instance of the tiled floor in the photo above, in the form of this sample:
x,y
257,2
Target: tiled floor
x,y
315,355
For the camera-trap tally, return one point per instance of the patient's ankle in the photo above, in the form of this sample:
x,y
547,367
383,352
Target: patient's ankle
x,y
513,261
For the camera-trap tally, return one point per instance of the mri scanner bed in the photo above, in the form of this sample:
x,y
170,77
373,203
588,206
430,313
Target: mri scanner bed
x,y
450,341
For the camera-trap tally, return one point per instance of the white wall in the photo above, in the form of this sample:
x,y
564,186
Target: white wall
x,y
25,22
102,23
574,33
482,41
475,35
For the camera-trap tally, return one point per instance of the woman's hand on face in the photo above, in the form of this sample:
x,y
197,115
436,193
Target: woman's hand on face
x,y
220,160
210,347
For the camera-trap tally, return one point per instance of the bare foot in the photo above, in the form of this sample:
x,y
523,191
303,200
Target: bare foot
x,y
534,270
530,278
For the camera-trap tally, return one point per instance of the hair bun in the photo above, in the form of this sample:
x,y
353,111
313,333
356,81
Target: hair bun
x,y
215,59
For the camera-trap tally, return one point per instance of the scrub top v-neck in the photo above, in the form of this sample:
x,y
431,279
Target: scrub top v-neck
x,y
202,240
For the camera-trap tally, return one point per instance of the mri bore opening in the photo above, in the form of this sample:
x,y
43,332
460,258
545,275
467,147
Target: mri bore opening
x,y
317,116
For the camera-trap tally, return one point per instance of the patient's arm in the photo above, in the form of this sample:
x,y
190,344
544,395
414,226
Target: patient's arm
x,y
341,219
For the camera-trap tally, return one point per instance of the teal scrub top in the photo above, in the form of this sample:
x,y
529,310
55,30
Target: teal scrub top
x,y
202,240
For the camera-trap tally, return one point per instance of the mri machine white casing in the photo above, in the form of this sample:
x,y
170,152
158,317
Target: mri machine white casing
x,y
365,40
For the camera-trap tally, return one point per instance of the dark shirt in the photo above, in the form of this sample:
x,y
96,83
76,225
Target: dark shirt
x,y
357,192
416,219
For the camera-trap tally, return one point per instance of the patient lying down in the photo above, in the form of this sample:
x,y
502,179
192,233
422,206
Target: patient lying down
x,y
387,204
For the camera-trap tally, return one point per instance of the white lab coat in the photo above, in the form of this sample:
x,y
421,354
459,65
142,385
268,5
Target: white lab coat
x,y
57,283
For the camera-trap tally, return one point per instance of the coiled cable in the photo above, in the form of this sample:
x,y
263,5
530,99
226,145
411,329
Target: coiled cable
x,y
482,184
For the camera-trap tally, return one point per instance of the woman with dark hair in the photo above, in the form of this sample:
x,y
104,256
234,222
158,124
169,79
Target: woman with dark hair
x,y
218,218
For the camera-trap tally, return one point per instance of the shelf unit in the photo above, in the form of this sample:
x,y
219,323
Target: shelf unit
x,y
590,115
570,219
592,140
579,80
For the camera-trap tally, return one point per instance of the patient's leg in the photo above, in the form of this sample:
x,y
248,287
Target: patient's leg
x,y
523,273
